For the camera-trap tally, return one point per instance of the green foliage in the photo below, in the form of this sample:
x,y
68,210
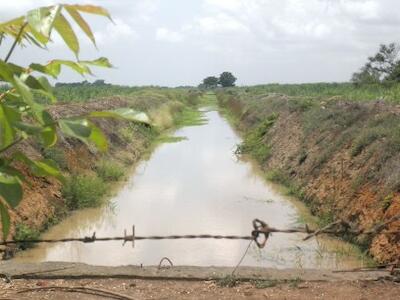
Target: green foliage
x,y
254,142
264,284
384,66
226,79
57,155
367,137
23,114
190,117
83,191
324,92
24,232
228,281
210,82
109,170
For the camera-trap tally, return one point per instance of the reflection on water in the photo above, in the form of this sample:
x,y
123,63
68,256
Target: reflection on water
x,y
192,187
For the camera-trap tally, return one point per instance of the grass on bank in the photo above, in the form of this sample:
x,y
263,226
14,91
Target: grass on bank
x,y
83,191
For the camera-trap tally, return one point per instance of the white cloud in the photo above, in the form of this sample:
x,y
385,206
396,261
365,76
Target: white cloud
x,y
366,10
221,23
259,40
119,31
164,34
144,10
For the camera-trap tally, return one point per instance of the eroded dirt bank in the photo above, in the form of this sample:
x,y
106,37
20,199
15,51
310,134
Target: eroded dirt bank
x,y
44,202
341,158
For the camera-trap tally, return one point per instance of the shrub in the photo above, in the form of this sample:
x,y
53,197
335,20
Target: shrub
x,y
83,191
126,134
24,232
254,143
57,155
366,139
109,170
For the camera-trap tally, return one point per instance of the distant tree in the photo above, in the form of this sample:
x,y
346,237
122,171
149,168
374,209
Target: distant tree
x,y
210,82
365,75
99,82
383,66
226,79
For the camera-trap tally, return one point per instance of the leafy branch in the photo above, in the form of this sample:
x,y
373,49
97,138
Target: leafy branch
x,y
22,116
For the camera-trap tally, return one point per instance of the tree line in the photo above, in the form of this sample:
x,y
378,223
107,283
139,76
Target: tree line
x,y
226,79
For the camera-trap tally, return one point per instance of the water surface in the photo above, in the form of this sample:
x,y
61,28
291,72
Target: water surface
x,y
192,187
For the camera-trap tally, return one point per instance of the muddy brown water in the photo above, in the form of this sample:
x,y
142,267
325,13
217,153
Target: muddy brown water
x,y
194,186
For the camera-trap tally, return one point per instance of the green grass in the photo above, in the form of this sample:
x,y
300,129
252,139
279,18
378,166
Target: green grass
x,y
254,142
228,281
109,170
170,139
57,155
25,232
83,191
338,91
190,117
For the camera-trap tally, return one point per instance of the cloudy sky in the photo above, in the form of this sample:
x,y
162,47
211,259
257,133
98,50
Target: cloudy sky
x,y
179,42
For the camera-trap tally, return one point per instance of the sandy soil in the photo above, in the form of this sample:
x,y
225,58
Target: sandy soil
x,y
150,289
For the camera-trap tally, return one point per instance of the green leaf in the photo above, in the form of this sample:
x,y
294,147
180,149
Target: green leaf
x,y
76,66
7,132
52,69
100,62
46,167
28,128
5,72
23,90
122,113
92,9
42,168
41,21
98,138
81,22
5,221
79,128
12,25
10,189
49,136
67,33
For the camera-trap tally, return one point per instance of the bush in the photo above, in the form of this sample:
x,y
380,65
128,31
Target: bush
x,y
57,155
366,139
126,134
109,170
254,143
83,191
24,232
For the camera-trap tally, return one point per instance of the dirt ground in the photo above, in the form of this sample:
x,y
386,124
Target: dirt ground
x,y
170,289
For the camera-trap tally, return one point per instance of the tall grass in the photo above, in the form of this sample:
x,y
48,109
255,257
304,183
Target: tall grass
x,y
83,191
343,91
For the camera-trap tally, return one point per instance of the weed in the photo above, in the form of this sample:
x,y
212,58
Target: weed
x,y
126,134
254,143
25,232
109,170
171,139
365,139
294,283
387,201
190,117
83,191
57,155
228,281
264,284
